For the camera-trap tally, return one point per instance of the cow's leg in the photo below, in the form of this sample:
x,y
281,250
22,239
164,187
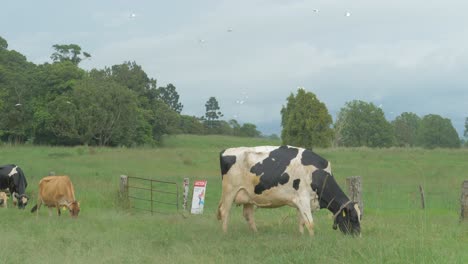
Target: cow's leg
x,y
303,207
249,216
58,210
300,221
225,207
14,200
39,203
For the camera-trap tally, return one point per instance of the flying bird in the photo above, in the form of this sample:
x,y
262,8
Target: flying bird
x,y
315,10
229,30
348,14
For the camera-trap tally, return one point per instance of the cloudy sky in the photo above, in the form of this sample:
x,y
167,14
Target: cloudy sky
x,y
404,56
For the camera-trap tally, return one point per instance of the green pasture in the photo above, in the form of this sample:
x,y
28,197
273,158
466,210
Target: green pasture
x,y
394,229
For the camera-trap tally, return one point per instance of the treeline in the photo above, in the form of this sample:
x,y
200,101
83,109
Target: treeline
x,y
306,122
59,103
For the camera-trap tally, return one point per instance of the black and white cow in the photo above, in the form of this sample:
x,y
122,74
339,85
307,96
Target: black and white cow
x,y
272,176
12,178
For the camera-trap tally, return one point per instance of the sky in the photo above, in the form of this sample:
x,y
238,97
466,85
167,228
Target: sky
x,y
402,56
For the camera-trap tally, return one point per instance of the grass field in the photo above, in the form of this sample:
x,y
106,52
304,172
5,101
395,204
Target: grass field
x,y
394,229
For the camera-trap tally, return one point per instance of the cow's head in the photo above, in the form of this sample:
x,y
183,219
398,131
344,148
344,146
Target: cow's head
x,y
22,200
74,208
348,219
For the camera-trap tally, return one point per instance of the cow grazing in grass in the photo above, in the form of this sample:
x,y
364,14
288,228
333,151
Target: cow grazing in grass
x,y
58,192
271,176
13,179
3,200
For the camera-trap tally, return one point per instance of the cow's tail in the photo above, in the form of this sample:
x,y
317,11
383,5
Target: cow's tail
x,y
34,209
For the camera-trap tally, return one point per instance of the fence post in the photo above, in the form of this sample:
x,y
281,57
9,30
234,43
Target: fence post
x,y
123,193
186,192
355,191
423,199
464,201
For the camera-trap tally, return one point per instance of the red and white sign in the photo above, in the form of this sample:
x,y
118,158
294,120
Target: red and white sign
x,y
198,200
200,183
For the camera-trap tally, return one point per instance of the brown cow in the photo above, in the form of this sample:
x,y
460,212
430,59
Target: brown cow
x,y
58,192
3,200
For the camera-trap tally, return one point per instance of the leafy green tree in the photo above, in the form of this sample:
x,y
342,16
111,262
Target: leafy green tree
x,y
249,130
163,120
55,123
235,126
191,125
56,79
362,124
16,86
170,96
406,129
436,131
221,127
213,112
70,52
466,128
3,44
132,76
106,112
306,121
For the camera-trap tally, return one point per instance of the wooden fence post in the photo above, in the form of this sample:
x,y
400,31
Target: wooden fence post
x,y
355,191
423,198
186,192
464,201
123,193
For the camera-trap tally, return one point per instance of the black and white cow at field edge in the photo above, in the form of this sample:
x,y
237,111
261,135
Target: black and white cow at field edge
x,y
272,176
12,178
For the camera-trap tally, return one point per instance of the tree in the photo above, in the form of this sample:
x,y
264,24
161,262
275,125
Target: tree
x,y
3,44
362,124
221,127
107,112
70,52
170,96
132,76
55,123
306,121
466,128
436,131
235,126
212,113
191,125
406,129
56,79
16,86
163,120
249,130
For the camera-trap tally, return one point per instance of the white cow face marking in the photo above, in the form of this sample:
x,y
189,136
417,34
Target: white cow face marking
x,y
13,172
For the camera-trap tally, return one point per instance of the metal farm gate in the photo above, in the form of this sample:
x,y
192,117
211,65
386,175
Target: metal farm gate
x,y
154,196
